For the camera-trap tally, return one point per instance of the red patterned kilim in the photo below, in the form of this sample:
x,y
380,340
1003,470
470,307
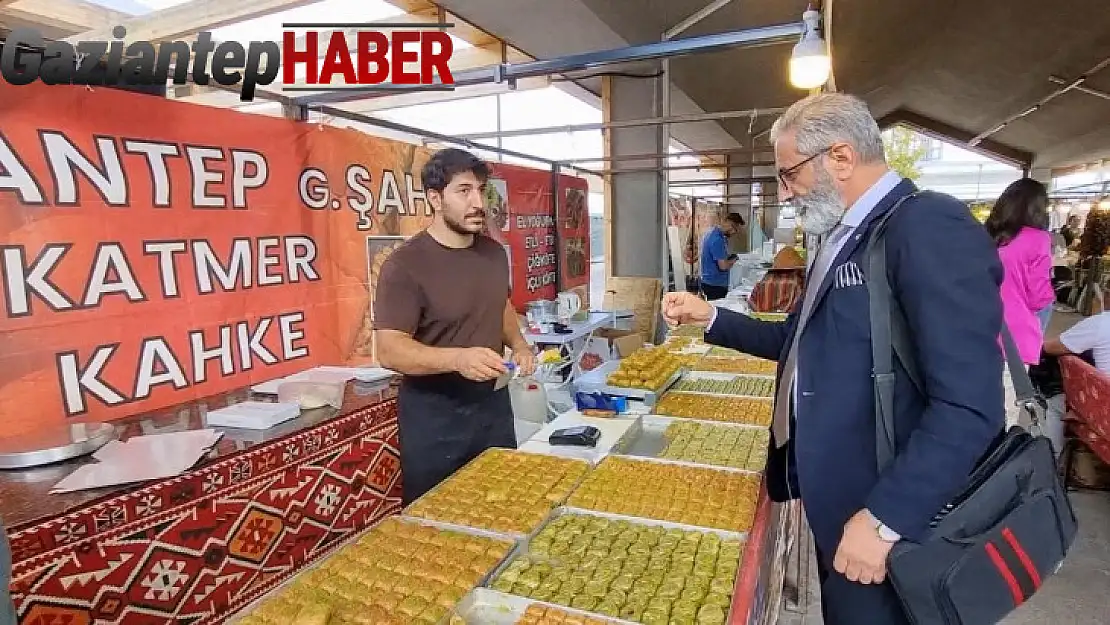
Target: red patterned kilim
x,y
196,548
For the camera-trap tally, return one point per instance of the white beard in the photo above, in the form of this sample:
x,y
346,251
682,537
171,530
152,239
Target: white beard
x,y
821,209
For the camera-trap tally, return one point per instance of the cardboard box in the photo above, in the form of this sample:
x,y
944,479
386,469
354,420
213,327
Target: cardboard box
x,y
610,344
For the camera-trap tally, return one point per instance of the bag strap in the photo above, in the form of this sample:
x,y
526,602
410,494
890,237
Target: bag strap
x,y
890,338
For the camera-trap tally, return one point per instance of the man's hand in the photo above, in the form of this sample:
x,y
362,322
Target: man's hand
x,y
524,357
479,364
685,308
861,556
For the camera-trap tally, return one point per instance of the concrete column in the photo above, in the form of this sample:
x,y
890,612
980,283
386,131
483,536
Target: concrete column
x,y
739,200
1043,175
637,201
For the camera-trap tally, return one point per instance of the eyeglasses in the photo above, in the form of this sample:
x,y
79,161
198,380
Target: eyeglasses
x,y
787,175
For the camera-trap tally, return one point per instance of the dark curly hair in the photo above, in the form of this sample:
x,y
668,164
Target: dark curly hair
x,y
446,164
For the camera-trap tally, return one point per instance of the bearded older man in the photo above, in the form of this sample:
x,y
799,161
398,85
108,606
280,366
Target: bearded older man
x,y
945,274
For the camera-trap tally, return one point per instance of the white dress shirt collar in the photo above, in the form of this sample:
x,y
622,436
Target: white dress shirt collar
x,y
870,199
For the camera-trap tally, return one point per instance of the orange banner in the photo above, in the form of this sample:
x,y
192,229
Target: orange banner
x,y
153,252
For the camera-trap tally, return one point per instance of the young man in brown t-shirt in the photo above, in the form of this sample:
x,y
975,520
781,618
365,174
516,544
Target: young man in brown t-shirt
x,y
442,318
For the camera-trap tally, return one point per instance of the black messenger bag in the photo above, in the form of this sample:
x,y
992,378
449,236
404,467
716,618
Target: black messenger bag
x,y
990,549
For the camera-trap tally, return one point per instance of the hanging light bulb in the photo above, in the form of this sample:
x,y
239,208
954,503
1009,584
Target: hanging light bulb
x,y
810,63
1104,204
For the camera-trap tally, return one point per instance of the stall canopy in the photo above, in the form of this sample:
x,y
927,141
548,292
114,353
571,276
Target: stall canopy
x,y
961,69
1025,80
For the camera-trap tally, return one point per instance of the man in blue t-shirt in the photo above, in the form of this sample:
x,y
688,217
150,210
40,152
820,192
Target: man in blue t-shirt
x,y
716,260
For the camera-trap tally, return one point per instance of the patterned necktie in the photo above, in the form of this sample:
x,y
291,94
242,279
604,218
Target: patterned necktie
x,y
784,395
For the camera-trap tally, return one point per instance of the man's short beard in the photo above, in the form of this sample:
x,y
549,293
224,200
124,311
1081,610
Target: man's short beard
x,y
459,227
821,209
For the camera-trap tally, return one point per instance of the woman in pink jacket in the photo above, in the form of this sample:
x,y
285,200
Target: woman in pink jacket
x,y
1018,223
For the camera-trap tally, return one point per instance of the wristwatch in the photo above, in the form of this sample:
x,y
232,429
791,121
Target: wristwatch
x,y
885,533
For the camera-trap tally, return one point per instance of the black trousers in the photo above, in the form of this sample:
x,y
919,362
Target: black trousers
x,y
445,425
844,602
712,292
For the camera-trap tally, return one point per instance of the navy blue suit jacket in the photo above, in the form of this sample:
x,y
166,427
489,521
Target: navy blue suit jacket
x,y
944,271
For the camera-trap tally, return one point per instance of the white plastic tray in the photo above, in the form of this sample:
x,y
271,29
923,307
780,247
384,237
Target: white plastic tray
x,y
252,415
614,431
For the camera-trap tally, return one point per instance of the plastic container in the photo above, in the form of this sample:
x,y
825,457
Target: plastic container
x,y
529,400
312,394
253,415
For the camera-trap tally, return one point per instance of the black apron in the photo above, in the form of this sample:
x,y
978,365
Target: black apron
x,y
445,422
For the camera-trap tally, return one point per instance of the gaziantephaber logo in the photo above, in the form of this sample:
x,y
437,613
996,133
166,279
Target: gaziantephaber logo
x,y
401,56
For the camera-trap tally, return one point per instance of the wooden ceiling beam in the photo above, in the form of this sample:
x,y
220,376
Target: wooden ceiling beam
x,y
945,132
71,16
191,17
325,35
462,29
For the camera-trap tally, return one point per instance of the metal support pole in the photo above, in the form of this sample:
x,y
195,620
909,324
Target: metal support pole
x,y
555,205
500,155
629,123
664,128
507,72
723,181
668,168
669,155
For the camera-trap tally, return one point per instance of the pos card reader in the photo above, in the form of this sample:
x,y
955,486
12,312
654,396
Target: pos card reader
x,y
579,435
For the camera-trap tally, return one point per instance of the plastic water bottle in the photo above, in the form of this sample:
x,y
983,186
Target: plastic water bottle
x,y
529,400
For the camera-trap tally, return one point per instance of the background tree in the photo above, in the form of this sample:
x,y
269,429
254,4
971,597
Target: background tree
x,y
904,152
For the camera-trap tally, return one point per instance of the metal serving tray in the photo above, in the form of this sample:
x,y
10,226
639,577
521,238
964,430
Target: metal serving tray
x,y
769,400
694,368
54,444
671,525
713,375
595,382
523,550
511,535
514,553
485,606
696,528
646,440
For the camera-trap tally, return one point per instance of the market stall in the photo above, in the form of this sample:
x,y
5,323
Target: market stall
x,y
159,281
256,267
664,520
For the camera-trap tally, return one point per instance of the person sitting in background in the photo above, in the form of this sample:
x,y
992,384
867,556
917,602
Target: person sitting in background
x,y
1071,231
1018,223
780,290
716,260
1090,335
